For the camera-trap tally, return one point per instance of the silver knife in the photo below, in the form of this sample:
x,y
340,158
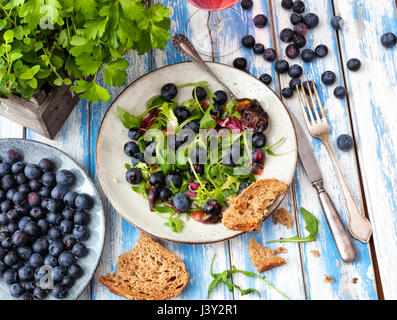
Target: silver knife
x,y
342,239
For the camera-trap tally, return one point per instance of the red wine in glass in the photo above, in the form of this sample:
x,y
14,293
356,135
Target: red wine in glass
x,y
213,5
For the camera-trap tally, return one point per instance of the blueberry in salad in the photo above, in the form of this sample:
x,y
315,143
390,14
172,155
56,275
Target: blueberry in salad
x,y
201,151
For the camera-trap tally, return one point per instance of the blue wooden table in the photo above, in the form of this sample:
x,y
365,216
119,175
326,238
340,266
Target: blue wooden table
x,y
368,114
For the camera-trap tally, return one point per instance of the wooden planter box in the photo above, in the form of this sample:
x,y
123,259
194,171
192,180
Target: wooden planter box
x,y
44,113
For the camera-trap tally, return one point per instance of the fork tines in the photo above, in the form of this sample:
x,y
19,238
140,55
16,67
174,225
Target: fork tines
x,y
310,108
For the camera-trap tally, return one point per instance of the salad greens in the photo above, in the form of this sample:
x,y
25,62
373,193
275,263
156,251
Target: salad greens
x,y
311,226
224,276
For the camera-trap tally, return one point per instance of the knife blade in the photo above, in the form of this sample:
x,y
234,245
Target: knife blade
x,y
344,243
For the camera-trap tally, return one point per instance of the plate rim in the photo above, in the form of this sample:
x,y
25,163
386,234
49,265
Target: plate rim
x,y
91,275
164,238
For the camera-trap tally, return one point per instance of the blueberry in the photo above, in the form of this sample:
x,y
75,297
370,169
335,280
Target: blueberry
x,y
10,194
53,205
56,248
81,217
281,66
388,40
328,78
39,293
240,63
2,195
80,250
70,198
75,271
35,185
294,82
137,158
20,238
64,178
198,167
258,48
337,22
66,259
4,220
198,155
340,92
83,201
295,71
22,210
220,97
40,245
287,92
260,21
193,125
70,242
58,273
25,273
130,148
2,253
308,84
301,28
45,192
265,78
50,261
48,179
23,222
169,91
10,276
270,54
16,290
8,182
32,171
308,55
321,50
24,252
353,64
80,232
32,229
3,267
55,233
133,176
298,6
181,202
258,139
67,281
286,4
296,18
200,92
17,167
299,41
292,51
7,243
68,213
246,4
173,180
286,35
37,213
44,226
344,142
213,207
21,179
34,199
13,215
66,226
4,235
258,156
46,165
134,133
36,260
28,285
182,113
5,206
311,20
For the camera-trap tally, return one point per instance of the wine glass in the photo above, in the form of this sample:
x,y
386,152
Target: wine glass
x,y
216,32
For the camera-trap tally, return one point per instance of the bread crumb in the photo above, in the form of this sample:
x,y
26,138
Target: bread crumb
x,y
315,253
281,250
116,180
283,217
328,278
262,257
354,280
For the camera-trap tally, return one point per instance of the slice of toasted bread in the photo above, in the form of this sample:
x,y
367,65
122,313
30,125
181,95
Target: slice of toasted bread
x,y
147,272
262,257
249,209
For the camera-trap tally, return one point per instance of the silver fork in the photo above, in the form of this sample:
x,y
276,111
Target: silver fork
x,y
318,126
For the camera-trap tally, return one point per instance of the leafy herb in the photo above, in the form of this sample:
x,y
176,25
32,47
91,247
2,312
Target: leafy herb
x,y
227,274
173,219
311,226
67,42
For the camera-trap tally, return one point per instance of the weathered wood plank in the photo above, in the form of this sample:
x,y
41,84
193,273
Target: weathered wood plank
x,y
329,261
287,278
372,95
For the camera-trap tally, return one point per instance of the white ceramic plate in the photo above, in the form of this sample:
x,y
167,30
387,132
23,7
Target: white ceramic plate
x,y
32,152
110,157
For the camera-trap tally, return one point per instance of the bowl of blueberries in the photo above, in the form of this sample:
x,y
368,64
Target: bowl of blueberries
x,y
52,224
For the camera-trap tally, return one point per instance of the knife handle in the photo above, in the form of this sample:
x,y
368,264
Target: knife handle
x,y
342,239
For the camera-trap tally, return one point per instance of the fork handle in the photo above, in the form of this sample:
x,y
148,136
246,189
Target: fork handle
x,y
342,239
359,226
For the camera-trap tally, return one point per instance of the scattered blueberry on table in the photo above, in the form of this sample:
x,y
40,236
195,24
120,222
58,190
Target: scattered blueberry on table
x,y
388,40
34,221
345,142
265,78
246,4
353,64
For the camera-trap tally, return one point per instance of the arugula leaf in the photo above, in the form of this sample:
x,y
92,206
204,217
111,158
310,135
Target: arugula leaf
x,y
207,122
311,226
128,119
